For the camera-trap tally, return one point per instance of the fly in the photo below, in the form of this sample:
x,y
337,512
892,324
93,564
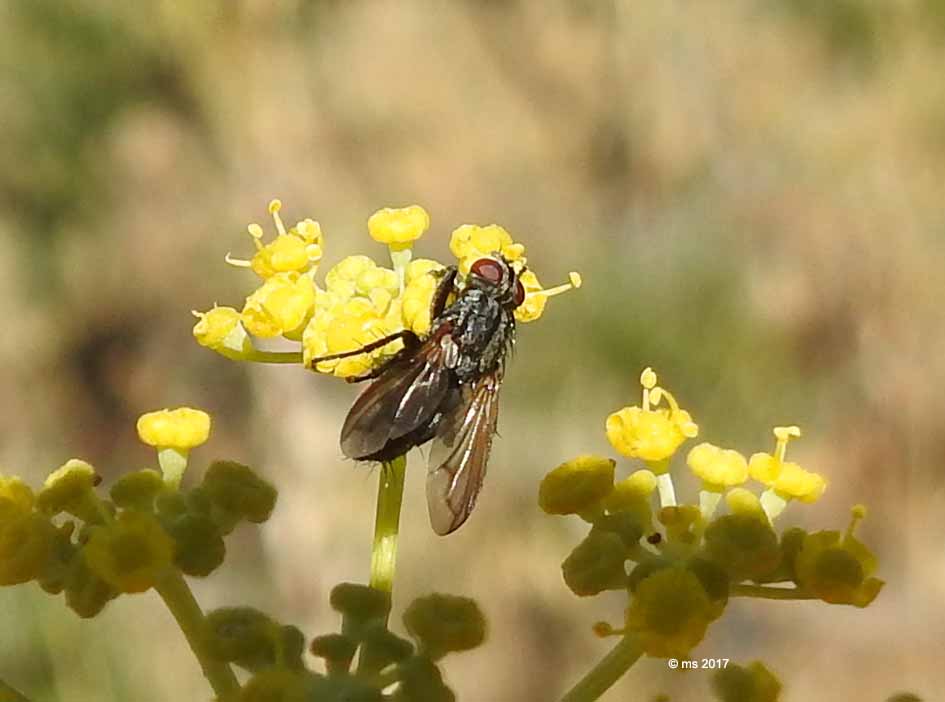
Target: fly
x,y
443,387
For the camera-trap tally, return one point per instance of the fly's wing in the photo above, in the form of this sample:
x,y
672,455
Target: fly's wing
x,y
405,395
460,452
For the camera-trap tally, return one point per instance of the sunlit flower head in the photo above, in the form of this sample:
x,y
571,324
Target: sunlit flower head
x,y
297,250
647,433
358,307
221,329
281,306
471,242
423,276
398,227
183,428
718,468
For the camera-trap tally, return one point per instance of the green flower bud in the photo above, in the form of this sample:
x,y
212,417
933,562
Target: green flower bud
x,y
670,611
836,567
644,570
360,602
382,647
281,685
26,540
421,681
576,486
137,490
679,520
753,683
596,564
171,503
713,578
244,636
743,544
69,489
337,649
626,525
86,593
292,642
445,623
199,547
236,490
59,560
131,553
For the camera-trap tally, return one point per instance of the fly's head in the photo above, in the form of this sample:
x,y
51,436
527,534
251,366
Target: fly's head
x,y
497,277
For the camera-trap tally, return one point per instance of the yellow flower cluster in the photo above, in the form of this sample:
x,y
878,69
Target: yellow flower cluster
x,y
361,301
687,562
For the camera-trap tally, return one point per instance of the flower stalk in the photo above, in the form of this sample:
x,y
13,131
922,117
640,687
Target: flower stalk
x,y
179,599
390,495
608,671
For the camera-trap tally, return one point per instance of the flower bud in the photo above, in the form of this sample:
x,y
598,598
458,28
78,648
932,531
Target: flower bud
x,y
670,611
744,545
236,490
753,683
86,592
244,636
421,681
360,601
199,547
596,564
26,540
445,623
131,553
137,490
576,485
68,489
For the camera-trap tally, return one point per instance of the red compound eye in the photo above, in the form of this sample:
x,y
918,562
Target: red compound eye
x,y
519,297
488,269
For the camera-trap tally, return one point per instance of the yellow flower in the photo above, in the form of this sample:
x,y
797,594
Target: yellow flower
x,y
283,305
470,242
421,283
718,468
786,480
652,435
220,329
26,540
296,250
182,429
358,308
398,227
131,553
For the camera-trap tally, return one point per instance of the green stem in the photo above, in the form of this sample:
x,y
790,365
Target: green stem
x,y
176,594
274,356
610,669
8,694
390,495
771,593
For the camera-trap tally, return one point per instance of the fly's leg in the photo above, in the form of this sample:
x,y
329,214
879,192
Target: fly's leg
x,y
443,290
409,338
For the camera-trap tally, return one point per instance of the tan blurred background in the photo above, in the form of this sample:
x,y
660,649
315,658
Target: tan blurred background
x,y
753,191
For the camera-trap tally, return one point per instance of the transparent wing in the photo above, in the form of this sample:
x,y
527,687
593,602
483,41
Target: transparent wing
x,y
405,395
457,462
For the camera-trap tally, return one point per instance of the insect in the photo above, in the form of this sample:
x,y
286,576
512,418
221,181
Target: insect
x,y
443,387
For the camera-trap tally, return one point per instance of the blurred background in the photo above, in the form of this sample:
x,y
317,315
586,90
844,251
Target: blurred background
x,y
752,190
